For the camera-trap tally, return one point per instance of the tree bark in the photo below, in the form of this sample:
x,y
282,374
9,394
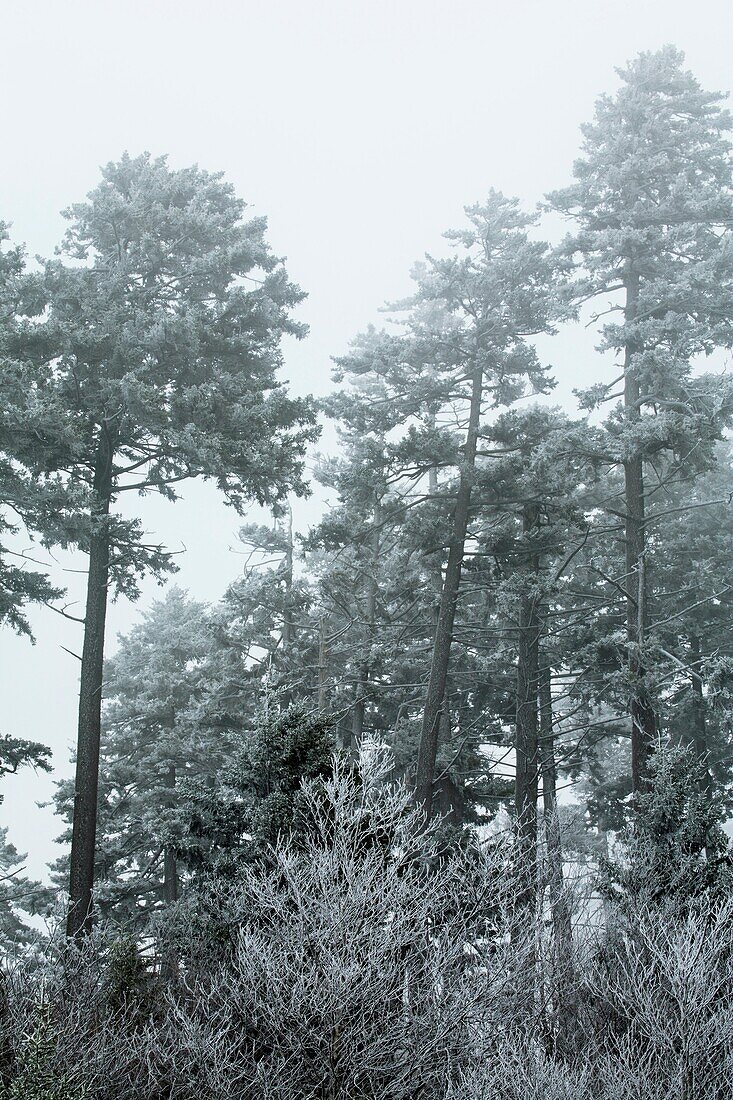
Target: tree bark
x,y
370,619
170,866
434,702
526,746
525,930
287,626
84,830
322,667
169,954
699,724
563,953
643,718
7,1053
447,798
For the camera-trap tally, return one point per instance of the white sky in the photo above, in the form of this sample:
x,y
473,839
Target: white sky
x,y
359,127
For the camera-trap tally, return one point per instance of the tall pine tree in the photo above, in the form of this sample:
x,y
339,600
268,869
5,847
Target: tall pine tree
x,y
652,203
156,362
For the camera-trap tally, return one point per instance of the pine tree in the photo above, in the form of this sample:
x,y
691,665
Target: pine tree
x,y
489,299
155,363
688,549
535,493
265,623
653,205
364,576
233,822
152,739
377,556
464,349
18,894
691,550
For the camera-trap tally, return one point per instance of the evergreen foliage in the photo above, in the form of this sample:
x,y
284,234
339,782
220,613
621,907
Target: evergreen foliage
x,y
652,204
258,794
19,894
674,850
40,508
137,360
35,1071
324,822
152,740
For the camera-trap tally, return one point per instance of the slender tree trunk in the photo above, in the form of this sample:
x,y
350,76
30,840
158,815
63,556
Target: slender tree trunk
x,y
169,961
84,830
7,1053
444,726
434,703
563,953
526,746
643,718
370,619
525,930
357,715
322,667
699,724
170,866
287,627
449,799
288,617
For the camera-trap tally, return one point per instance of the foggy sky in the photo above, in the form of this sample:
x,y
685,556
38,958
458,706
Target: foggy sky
x,y
360,128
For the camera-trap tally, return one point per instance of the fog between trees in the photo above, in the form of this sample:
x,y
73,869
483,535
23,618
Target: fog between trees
x,y
430,802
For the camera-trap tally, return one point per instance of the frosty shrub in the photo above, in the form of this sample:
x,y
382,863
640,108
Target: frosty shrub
x,y
665,989
657,1021
71,1018
367,958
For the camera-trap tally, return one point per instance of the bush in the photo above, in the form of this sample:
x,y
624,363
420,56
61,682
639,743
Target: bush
x,y
34,1068
370,958
674,850
365,959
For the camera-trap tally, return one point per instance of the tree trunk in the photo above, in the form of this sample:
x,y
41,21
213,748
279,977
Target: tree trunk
x,y
370,619
170,867
84,830
643,718
525,930
169,955
526,747
434,702
699,724
563,953
322,667
287,627
447,798
7,1053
